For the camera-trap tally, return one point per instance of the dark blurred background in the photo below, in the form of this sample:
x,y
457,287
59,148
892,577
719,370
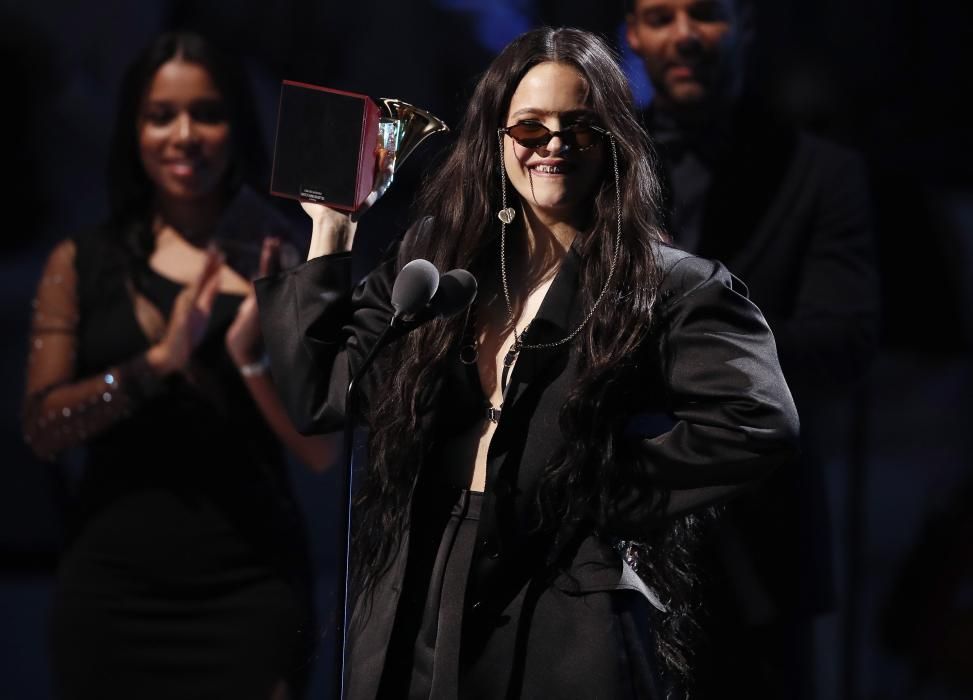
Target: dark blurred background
x,y
886,78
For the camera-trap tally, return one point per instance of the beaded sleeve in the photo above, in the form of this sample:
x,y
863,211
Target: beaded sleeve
x,y
62,410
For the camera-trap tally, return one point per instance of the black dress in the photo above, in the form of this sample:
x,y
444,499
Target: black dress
x,y
187,575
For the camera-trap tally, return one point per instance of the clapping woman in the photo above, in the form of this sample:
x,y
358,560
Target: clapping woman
x,y
186,576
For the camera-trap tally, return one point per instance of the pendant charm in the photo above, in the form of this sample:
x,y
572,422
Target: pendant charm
x,y
506,215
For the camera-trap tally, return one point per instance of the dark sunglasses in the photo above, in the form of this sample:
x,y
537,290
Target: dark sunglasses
x,y
533,134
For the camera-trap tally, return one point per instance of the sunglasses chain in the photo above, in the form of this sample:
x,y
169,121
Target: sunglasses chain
x,y
506,216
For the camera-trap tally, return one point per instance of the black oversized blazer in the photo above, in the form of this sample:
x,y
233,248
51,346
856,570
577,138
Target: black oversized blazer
x,y
710,413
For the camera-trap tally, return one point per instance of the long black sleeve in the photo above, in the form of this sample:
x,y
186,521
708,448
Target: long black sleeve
x,y
734,417
317,331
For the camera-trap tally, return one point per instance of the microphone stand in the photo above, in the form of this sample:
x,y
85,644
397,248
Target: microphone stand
x,y
346,489
456,293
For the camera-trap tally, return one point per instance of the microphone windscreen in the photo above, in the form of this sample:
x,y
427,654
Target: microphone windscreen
x,y
414,287
457,289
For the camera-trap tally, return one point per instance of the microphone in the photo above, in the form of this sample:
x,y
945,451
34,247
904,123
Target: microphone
x,y
414,287
454,292
420,294
457,290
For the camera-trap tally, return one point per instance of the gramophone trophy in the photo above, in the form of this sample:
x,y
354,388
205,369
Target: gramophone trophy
x,y
342,148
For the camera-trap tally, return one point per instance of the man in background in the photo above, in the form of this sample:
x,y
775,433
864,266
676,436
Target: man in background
x,y
788,213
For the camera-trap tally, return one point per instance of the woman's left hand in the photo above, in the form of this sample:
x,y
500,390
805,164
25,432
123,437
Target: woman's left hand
x,y
243,342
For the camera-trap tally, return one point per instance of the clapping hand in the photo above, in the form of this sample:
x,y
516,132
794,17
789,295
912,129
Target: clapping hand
x,y
187,322
243,337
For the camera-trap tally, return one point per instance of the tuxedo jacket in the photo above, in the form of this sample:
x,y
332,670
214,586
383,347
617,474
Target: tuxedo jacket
x,y
708,413
790,214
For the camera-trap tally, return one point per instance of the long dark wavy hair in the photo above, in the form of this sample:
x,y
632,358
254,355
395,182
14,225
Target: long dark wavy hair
x,y
583,482
130,192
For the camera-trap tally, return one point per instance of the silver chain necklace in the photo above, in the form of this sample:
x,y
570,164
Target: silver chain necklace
x,y
506,215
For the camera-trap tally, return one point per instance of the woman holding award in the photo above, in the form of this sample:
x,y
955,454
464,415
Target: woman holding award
x,y
602,388
186,576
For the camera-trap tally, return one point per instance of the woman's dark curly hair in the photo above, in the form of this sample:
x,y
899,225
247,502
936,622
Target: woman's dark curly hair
x,y
582,482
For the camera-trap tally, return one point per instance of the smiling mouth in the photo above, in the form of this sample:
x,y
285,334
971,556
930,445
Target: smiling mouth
x,y
547,169
182,167
681,70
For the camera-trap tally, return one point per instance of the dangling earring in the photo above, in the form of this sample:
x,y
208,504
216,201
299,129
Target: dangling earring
x,y
506,214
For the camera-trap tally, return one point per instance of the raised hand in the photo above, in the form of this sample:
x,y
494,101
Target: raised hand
x,y
188,320
243,336
331,231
